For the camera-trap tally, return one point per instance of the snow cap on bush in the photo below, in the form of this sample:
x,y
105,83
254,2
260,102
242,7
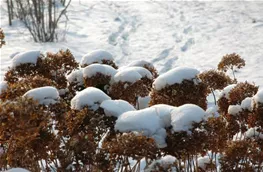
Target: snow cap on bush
x,y
96,56
76,76
93,69
17,170
141,63
184,116
25,57
174,76
91,97
226,90
165,163
247,103
44,95
258,98
234,109
116,107
132,74
164,112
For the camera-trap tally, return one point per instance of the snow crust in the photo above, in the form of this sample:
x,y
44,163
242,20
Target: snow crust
x,y
226,90
76,76
25,57
3,86
116,107
44,95
247,103
93,69
132,74
96,57
234,109
174,76
91,97
17,170
183,117
258,98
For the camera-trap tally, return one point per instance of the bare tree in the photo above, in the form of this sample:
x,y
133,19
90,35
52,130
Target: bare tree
x,y
41,17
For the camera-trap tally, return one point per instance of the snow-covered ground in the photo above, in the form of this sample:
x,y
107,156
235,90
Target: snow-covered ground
x,y
168,34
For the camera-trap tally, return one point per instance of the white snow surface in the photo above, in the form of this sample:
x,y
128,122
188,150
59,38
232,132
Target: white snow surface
x,y
91,97
226,90
234,109
183,117
165,162
141,63
131,74
17,170
176,75
116,107
25,57
76,76
44,95
143,102
164,112
96,57
3,86
250,133
258,98
247,103
93,69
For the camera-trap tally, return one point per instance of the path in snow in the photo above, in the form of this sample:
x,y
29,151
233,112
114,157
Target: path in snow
x,y
169,34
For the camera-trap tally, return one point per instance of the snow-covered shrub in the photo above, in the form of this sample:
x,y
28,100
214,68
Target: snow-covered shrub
x,y
179,86
98,56
147,65
130,83
166,163
19,88
99,76
231,61
75,80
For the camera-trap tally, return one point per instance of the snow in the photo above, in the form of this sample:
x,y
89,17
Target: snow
x,y
96,57
203,161
132,74
25,57
174,76
17,170
258,98
91,97
183,117
3,86
212,112
116,107
146,122
143,102
141,63
44,95
164,112
76,76
93,69
165,162
234,109
226,90
247,103
250,133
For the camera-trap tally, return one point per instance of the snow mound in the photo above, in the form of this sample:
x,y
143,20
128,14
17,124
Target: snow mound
x,y
3,86
25,57
17,170
143,102
174,76
226,90
164,112
44,95
141,63
91,97
250,133
145,121
116,107
76,76
183,117
93,69
96,57
203,162
258,98
132,74
247,103
165,162
234,109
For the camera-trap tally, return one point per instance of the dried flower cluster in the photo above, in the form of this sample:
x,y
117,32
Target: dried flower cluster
x,y
2,37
